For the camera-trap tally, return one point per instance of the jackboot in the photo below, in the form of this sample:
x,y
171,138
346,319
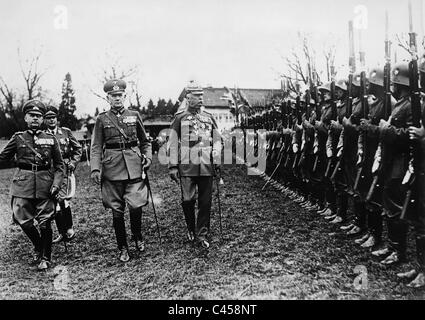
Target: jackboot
x,y
120,233
136,228
46,244
189,215
32,233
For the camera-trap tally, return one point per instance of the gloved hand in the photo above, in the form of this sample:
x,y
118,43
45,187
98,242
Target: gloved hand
x,y
174,174
54,192
147,164
95,175
71,167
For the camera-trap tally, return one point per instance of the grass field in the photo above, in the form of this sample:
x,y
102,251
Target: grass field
x,y
271,249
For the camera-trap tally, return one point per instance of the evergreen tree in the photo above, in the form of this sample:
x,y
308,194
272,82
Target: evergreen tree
x,y
67,107
151,108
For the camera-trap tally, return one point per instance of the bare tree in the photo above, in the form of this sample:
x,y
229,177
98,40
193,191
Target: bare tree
x,y
31,73
113,67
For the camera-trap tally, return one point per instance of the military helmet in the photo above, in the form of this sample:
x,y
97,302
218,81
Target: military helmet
x,y
400,74
325,87
356,79
342,84
376,76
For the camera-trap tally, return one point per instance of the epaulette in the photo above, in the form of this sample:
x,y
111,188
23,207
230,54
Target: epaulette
x,y
18,132
65,128
49,133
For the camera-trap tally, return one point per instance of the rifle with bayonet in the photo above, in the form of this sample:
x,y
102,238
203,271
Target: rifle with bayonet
x,y
410,207
331,160
349,99
379,155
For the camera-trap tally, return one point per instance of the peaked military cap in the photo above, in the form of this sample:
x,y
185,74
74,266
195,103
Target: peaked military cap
x,y
194,88
52,112
34,106
114,85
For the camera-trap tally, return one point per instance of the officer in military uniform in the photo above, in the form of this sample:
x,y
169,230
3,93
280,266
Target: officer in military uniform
x,y
195,151
36,182
71,154
120,153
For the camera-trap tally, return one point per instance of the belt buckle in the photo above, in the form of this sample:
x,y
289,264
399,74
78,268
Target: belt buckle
x,y
122,145
34,167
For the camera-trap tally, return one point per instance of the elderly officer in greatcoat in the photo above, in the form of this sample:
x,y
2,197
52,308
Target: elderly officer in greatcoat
x,y
36,182
195,150
71,153
120,153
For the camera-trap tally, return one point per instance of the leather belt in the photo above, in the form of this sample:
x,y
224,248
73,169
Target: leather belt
x,y
33,167
121,145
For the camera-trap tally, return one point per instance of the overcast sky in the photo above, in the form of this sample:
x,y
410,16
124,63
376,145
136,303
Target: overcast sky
x,y
216,42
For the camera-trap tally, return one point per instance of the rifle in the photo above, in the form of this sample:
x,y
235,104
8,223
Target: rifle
x,y
349,100
377,166
362,136
331,160
410,208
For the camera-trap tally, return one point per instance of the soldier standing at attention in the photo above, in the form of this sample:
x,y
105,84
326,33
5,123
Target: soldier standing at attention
x,y
120,152
71,153
193,144
36,182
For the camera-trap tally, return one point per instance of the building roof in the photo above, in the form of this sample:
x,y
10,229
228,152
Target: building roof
x,y
256,97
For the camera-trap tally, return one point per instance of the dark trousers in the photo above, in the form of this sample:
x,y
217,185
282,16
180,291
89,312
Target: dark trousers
x,y
199,222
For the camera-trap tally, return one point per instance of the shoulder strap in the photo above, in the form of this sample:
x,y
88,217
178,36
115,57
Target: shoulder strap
x,y
121,131
37,154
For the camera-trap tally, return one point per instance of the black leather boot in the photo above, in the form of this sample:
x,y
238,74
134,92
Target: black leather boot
x,y
121,235
189,215
136,228
397,235
46,243
32,233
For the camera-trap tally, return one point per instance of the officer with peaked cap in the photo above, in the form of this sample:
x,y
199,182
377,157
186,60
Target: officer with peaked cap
x,y
120,153
195,147
36,181
71,154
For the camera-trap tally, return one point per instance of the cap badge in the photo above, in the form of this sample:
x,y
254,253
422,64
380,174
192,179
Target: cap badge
x,y
116,87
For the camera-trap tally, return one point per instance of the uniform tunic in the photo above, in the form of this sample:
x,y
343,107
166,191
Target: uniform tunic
x,y
119,159
30,189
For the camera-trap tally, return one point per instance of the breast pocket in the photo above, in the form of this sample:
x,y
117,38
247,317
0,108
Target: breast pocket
x,y
110,131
